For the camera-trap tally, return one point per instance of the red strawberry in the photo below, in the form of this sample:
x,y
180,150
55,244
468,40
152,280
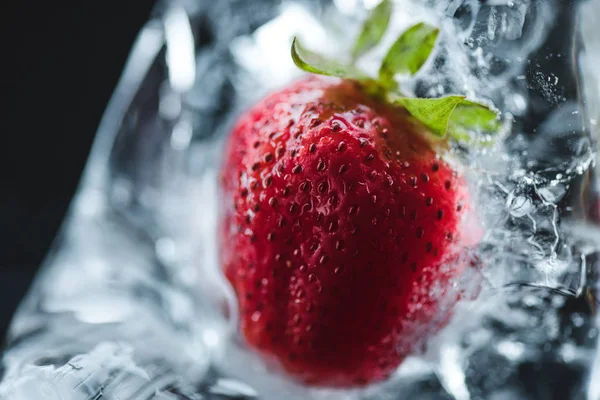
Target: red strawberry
x,y
341,231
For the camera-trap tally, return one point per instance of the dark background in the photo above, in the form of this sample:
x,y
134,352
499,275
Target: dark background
x,y
59,64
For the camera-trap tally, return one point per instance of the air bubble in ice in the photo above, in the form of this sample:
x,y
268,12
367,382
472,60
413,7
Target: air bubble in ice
x,y
518,205
510,349
552,193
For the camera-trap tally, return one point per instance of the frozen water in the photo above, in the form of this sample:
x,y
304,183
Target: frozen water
x,y
131,304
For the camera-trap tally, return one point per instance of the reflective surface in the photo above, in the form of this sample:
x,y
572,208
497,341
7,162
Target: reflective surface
x,y
131,303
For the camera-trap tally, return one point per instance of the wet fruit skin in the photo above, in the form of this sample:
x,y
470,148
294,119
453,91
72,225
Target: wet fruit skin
x,y
340,232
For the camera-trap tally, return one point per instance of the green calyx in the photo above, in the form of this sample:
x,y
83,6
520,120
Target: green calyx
x,y
452,116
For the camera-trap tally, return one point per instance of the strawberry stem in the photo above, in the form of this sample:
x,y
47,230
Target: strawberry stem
x,y
453,115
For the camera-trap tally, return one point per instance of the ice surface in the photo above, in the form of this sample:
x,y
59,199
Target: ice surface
x,y
131,304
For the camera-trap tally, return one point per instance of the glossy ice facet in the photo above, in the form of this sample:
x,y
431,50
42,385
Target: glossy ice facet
x,y
130,303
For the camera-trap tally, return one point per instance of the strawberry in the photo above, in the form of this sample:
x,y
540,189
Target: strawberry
x,y
341,228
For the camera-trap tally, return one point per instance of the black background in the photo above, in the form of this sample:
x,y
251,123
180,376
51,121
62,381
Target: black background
x,y
59,64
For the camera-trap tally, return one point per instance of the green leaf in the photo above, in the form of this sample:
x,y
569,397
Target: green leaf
x,y
471,116
315,63
373,29
433,113
453,115
409,52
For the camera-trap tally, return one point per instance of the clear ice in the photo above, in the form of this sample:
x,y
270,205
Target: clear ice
x,y
130,303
